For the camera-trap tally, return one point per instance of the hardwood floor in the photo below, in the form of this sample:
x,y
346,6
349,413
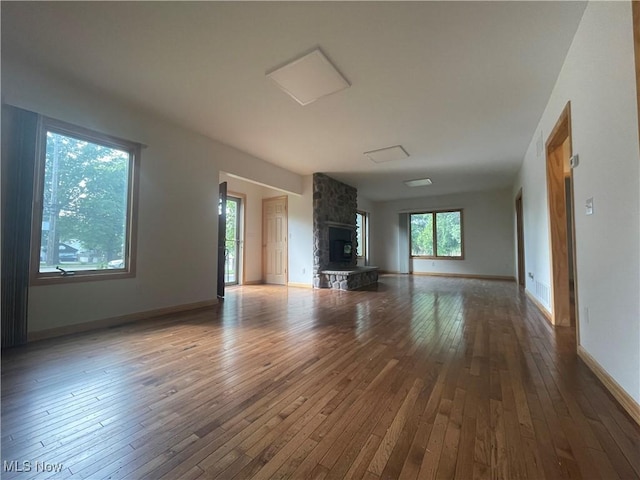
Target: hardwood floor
x,y
420,378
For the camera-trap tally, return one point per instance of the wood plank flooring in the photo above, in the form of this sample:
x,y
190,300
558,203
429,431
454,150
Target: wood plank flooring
x,y
418,378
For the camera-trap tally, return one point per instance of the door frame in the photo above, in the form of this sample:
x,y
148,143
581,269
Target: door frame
x,y
240,225
264,245
558,231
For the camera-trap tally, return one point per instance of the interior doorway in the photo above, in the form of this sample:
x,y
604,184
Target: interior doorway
x,y
520,240
561,221
274,240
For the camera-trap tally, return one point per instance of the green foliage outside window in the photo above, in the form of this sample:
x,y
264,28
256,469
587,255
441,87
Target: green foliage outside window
x,y
449,234
231,221
447,228
84,199
422,234
232,252
361,238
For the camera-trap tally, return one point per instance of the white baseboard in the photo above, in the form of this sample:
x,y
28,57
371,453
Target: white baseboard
x,y
466,275
119,320
624,399
545,313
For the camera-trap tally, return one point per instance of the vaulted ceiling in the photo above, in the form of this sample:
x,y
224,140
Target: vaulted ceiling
x,y
460,85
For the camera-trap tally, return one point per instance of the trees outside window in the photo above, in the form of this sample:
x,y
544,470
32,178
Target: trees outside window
x,y
232,241
437,234
85,203
361,234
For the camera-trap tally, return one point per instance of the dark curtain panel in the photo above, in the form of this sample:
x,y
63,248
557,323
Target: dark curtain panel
x,y
19,129
404,254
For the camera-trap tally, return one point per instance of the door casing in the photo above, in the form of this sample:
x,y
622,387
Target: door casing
x,y
558,154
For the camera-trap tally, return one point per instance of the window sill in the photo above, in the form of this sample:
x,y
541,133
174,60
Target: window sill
x,y
79,277
424,257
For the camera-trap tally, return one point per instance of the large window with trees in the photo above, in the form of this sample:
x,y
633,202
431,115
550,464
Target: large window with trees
x,y
85,204
437,234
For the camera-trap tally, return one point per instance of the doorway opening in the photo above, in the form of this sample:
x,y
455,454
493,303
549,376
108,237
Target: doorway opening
x,y
222,228
233,240
561,221
520,240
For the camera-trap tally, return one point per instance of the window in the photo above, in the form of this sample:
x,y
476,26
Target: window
x,y
85,204
362,233
232,242
437,234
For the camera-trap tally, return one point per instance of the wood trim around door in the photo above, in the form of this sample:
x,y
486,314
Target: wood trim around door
x,y
560,294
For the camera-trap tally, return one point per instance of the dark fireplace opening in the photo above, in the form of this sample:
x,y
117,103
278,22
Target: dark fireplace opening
x,y
340,245
340,251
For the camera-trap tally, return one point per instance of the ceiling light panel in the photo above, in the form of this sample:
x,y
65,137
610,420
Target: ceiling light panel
x,y
419,182
309,78
388,154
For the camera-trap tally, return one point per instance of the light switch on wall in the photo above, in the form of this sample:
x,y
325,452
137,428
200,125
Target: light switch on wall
x,y
589,206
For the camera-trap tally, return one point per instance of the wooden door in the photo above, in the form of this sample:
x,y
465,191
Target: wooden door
x,y
274,240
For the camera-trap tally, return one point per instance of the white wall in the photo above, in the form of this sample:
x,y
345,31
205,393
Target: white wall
x,y
301,235
598,78
365,204
488,233
177,223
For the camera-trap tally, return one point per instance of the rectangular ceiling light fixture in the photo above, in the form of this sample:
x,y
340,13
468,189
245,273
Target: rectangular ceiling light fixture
x,y
419,182
309,78
388,154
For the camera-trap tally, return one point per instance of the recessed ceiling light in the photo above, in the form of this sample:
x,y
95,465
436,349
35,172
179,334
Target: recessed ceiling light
x,y
309,78
387,154
419,182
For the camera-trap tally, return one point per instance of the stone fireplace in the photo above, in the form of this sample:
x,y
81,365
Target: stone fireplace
x,y
334,236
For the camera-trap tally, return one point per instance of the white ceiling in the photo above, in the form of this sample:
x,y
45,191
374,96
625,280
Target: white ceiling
x,y
461,85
